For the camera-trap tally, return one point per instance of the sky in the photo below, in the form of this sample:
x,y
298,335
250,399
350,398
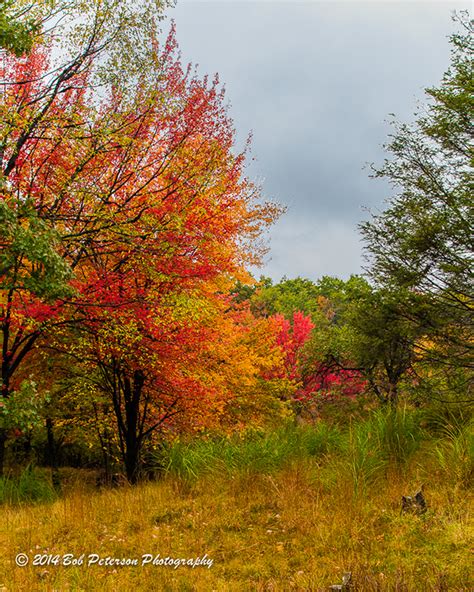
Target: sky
x,y
315,82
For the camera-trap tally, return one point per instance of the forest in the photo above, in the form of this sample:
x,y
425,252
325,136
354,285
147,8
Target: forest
x,y
161,401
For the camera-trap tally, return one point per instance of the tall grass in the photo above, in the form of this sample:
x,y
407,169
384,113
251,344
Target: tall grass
x,y
365,462
455,455
448,419
453,426
387,438
256,452
398,432
30,486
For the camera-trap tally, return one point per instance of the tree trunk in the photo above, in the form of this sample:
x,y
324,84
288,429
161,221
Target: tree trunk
x,y
133,442
52,458
392,394
132,459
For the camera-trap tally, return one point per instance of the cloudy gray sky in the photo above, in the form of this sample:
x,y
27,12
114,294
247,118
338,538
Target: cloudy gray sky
x,y
315,82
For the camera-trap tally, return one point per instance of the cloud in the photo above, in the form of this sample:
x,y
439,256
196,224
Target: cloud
x,y
315,82
307,246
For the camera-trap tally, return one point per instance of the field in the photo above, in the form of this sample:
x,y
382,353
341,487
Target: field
x,y
288,510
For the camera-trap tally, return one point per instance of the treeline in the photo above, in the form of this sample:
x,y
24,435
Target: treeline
x,y
127,316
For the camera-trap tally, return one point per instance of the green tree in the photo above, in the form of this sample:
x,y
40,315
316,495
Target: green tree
x,y
423,242
32,272
290,295
365,331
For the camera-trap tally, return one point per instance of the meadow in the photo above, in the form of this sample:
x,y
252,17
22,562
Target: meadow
x,y
291,509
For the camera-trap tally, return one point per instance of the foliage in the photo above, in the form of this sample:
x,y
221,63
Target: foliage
x,y
44,119
297,329
366,333
127,225
422,243
29,259
137,193
23,410
285,298
16,31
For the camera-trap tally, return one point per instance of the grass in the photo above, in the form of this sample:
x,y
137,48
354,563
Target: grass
x,y
455,456
275,512
386,440
253,453
30,486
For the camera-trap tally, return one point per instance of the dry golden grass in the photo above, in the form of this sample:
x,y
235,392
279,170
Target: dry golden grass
x,y
297,529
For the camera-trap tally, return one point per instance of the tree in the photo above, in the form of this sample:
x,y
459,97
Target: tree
x,y
151,209
362,334
381,343
33,279
303,310
286,297
422,244
307,368
59,199
247,369
16,31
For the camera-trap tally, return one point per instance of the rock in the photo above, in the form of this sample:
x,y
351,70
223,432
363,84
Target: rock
x,y
414,504
346,583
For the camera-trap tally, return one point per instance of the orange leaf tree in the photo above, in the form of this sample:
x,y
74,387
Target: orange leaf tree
x,y
150,207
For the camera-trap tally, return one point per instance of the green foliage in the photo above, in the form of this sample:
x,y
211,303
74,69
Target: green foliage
x,y
23,409
29,259
30,486
362,329
124,33
286,297
16,36
381,342
300,294
357,327
422,243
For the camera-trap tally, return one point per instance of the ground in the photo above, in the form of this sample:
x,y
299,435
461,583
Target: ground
x,y
297,528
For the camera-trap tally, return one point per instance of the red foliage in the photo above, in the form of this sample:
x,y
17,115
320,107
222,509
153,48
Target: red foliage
x,y
312,377
145,191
